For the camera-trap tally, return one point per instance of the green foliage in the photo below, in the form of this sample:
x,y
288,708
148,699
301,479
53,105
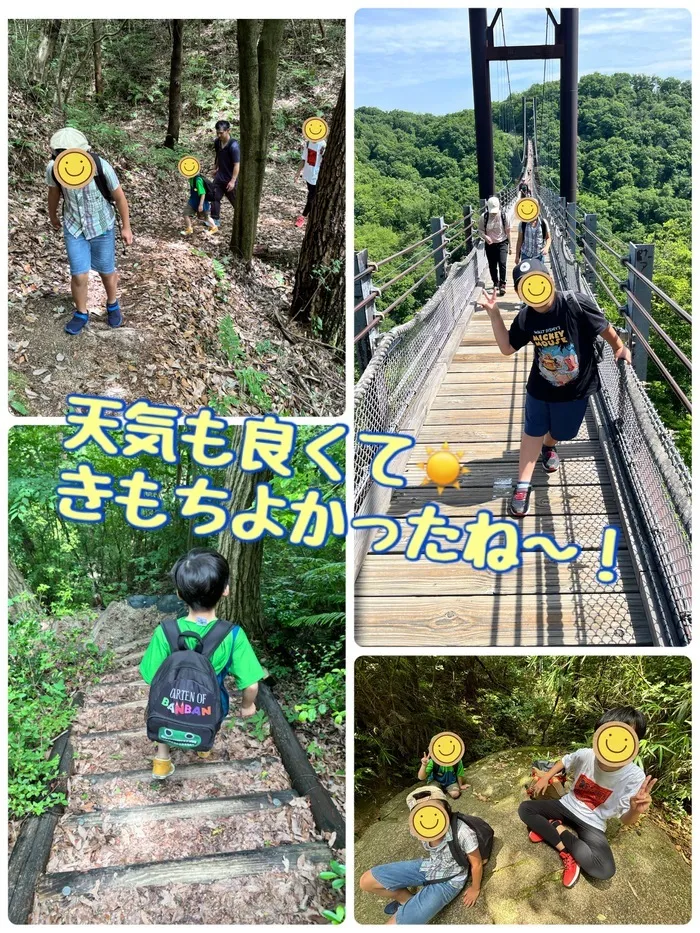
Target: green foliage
x,y
256,725
230,341
45,669
496,702
323,696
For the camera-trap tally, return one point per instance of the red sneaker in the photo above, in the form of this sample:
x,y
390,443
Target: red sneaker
x,y
299,222
535,837
571,870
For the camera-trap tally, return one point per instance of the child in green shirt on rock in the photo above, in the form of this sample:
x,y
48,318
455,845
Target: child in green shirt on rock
x,y
196,205
201,579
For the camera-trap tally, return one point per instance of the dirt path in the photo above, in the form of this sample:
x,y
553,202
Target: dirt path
x,y
224,840
176,294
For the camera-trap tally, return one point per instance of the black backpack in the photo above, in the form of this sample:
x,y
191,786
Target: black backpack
x,y
184,703
484,835
486,218
99,179
208,187
543,226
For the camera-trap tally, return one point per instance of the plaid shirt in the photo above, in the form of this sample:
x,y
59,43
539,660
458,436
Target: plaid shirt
x,y
440,863
85,212
533,240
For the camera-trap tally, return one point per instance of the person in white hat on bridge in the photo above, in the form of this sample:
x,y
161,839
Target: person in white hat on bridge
x,y
494,229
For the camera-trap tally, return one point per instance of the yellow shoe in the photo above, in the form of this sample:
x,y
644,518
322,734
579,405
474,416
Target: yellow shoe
x,y
186,232
162,768
204,754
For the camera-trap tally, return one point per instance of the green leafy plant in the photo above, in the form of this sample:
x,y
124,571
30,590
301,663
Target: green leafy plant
x,y
324,696
45,669
336,876
255,725
230,341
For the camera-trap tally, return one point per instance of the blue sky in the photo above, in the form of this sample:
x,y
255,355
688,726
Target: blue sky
x,y
418,60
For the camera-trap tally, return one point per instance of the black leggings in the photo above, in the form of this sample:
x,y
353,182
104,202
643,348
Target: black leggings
x,y
497,255
309,199
590,848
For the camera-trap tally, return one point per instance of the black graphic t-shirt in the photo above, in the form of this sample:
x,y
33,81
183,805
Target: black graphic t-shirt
x,y
564,368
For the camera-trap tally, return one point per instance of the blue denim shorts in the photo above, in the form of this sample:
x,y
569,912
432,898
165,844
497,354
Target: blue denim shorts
x,y
563,420
96,254
426,903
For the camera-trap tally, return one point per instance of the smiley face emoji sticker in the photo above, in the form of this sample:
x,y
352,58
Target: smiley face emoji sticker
x,y
527,209
616,744
428,821
315,129
534,287
188,166
74,168
446,749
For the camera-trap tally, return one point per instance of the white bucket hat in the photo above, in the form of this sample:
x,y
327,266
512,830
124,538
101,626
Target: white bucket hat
x,y
69,138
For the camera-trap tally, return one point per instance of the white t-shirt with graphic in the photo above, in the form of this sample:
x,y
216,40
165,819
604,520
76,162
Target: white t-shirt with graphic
x,y
312,154
598,795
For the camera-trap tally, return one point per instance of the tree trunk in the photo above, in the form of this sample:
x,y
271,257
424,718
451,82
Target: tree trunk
x,y
17,587
258,55
243,604
319,286
97,57
47,49
175,100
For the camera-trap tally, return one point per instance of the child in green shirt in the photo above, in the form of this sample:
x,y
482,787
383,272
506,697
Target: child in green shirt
x,y
201,578
449,779
198,204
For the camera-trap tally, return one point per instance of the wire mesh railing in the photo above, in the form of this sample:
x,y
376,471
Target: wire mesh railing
x,y
657,480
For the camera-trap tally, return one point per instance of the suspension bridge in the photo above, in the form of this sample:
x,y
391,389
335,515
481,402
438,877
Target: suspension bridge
x,y
439,377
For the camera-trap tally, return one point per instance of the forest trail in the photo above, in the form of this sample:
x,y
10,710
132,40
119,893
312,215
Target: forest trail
x,y
175,293
223,840
478,409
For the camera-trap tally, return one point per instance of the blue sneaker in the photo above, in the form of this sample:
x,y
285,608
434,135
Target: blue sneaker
x,y
76,323
114,315
391,908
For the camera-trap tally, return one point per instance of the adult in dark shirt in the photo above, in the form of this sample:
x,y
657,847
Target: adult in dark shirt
x,y
563,326
227,162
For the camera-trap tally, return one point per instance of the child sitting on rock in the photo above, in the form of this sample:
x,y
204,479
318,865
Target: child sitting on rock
x,y
190,700
443,764
441,874
606,783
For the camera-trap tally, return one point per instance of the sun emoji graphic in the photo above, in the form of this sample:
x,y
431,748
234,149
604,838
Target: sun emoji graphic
x,y
443,467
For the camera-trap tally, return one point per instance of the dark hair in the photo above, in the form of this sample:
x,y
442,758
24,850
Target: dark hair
x,y
201,576
222,125
627,714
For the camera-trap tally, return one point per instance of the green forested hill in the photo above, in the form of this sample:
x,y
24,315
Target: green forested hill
x,y
634,171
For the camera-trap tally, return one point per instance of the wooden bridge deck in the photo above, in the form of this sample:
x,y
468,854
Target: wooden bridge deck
x,y
478,410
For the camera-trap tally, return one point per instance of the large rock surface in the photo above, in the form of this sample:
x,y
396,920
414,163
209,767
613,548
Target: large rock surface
x,y
522,881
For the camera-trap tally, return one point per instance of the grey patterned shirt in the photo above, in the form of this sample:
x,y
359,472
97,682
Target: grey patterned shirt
x,y
533,240
440,863
85,211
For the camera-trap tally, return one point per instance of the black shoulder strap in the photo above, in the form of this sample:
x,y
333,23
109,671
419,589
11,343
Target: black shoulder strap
x,y
171,630
545,226
100,179
455,848
215,637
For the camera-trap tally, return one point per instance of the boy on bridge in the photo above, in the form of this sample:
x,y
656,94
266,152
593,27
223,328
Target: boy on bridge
x,y
563,326
201,579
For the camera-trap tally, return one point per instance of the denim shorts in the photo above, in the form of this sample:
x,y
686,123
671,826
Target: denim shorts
x,y
96,254
429,900
563,420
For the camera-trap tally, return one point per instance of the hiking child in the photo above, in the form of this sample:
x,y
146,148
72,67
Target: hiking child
x,y
606,783
227,163
309,167
494,228
201,579
199,205
443,764
453,854
534,239
563,326
88,227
